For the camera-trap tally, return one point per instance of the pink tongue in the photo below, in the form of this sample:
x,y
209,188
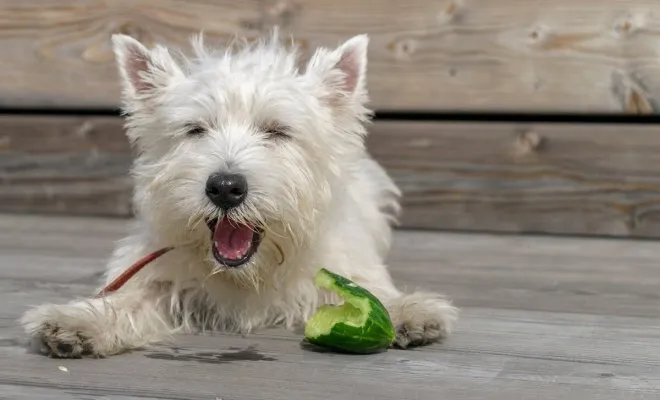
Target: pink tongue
x,y
232,239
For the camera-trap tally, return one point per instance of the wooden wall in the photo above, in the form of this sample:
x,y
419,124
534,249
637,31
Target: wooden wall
x,y
533,177
531,56
514,55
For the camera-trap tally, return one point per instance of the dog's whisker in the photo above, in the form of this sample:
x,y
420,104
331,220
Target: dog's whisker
x,y
279,249
194,222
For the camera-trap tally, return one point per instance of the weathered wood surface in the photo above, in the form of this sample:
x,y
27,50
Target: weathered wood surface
x,y
515,55
552,178
546,318
64,164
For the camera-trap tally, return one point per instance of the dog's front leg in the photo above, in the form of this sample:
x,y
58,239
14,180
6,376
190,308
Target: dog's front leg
x,y
99,327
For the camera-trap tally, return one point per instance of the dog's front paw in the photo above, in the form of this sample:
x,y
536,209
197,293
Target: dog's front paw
x,y
421,318
60,331
58,342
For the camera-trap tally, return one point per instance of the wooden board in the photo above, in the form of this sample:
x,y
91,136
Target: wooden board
x,y
64,255
550,178
74,165
505,55
530,327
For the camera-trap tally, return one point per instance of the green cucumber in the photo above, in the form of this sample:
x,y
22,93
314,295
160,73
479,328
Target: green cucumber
x,y
360,325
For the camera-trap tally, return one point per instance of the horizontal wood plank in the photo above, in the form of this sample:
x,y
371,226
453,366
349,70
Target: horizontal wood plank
x,y
74,165
505,55
538,355
594,276
511,342
550,178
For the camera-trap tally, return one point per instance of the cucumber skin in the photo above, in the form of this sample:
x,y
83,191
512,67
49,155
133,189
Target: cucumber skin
x,y
346,286
375,335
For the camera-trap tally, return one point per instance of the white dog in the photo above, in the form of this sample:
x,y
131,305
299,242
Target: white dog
x,y
255,170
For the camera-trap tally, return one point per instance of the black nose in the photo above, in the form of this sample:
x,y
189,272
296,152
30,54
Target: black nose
x,y
226,190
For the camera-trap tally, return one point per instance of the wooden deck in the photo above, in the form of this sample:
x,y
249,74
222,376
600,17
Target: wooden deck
x,y
545,318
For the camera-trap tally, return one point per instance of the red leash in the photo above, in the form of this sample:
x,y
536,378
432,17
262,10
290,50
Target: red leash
x,y
119,281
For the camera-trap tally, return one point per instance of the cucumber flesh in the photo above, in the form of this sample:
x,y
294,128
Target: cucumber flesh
x,y
327,316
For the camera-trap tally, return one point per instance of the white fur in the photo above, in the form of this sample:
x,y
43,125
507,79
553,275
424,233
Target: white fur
x,y
318,196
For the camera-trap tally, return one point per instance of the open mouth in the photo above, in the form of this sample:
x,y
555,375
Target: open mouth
x,y
233,244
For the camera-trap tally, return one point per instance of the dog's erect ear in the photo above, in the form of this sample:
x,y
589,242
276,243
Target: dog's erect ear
x,y
343,69
352,62
142,70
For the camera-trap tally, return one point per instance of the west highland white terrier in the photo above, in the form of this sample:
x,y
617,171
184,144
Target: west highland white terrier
x,y
255,170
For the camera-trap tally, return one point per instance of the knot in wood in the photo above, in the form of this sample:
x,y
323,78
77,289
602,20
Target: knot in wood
x,y
637,103
529,142
5,142
130,29
627,25
450,12
85,129
403,48
282,13
538,34
452,7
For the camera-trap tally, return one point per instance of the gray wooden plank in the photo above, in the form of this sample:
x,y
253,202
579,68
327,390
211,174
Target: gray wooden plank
x,y
591,276
587,275
19,392
51,235
501,350
495,353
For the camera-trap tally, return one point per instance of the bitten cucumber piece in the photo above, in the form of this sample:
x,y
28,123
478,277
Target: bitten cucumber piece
x,y
360,325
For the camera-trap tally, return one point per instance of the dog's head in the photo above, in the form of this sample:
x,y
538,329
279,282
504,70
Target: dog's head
x,y
240,151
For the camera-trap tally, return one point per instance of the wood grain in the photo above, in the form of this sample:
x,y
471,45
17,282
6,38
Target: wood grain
x,y
505,55
75,165
63,256
538,358
589,276
550,178
507,346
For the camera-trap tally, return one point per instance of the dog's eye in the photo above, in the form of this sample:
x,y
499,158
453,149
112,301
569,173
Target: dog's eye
x,y
195,130
276,132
